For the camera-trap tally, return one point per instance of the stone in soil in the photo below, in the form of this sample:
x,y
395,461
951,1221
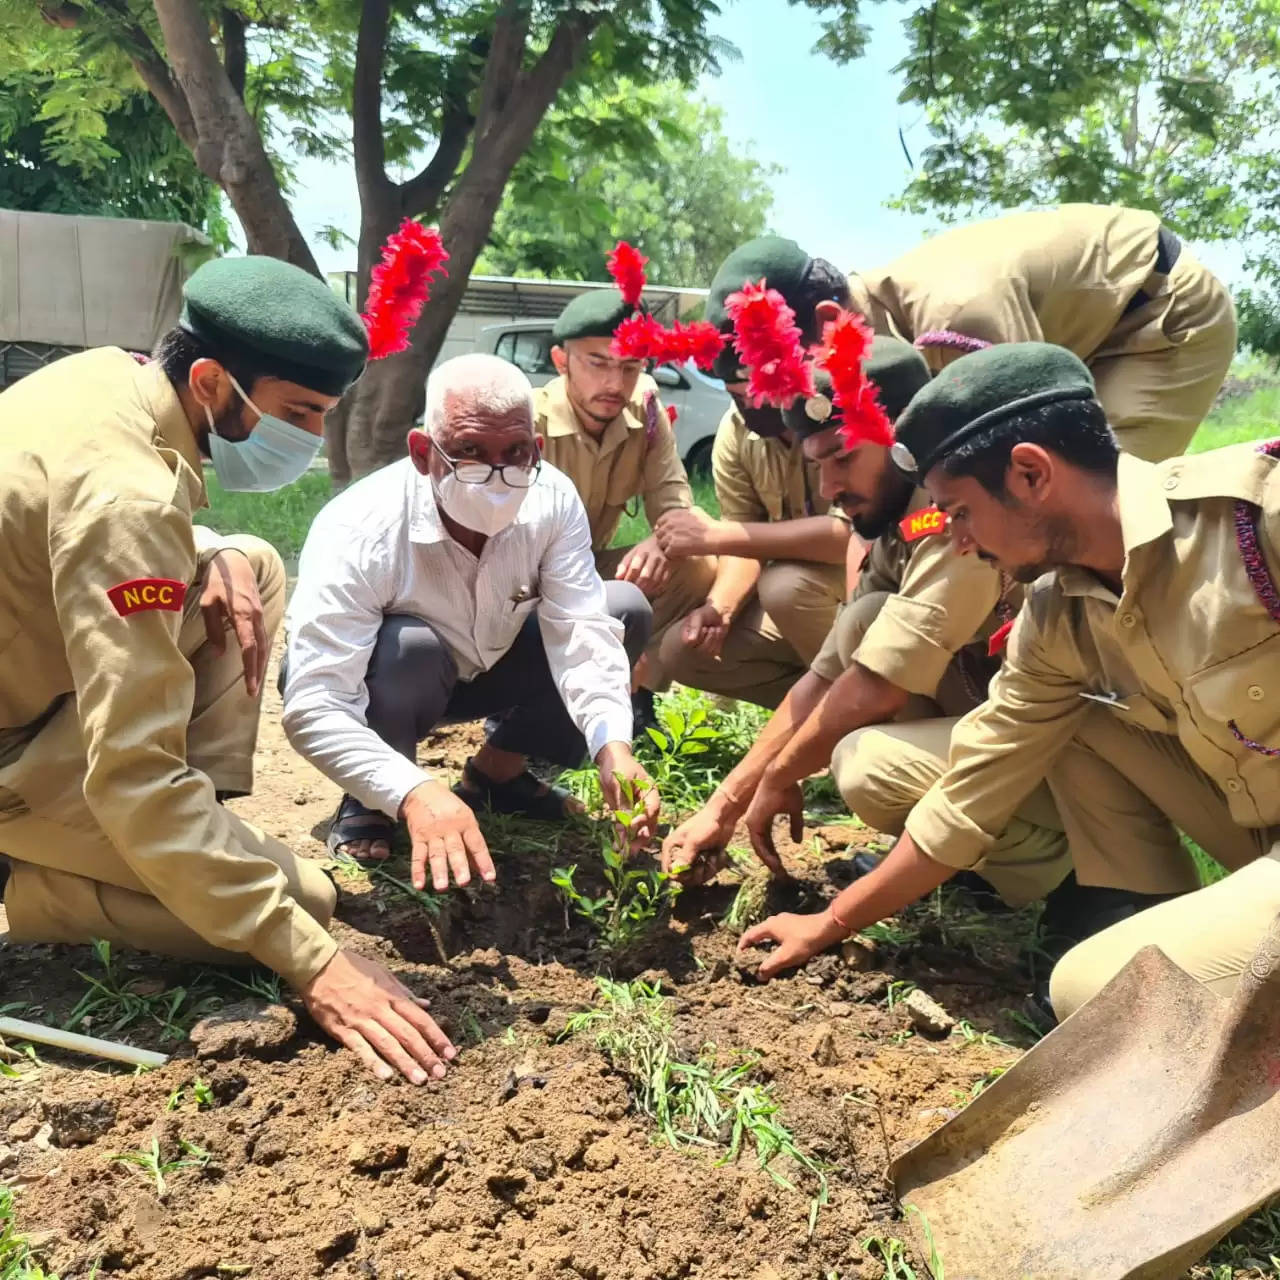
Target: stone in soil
x,y
927,1015
244,1030
76,1122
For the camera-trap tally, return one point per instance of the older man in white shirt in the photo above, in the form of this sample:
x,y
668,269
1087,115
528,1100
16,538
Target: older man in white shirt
x,y
456,585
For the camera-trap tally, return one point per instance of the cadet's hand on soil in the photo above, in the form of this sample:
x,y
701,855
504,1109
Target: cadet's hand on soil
x,y
445,834
616,763
799,939
229,600
646,566
769,801
706,628
695,851
363,1006
681,533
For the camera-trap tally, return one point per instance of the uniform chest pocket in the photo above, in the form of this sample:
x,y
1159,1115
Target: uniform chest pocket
x,y
626,475
1241,697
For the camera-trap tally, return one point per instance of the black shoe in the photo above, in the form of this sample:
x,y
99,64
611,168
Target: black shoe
x,y
1072,913
643,711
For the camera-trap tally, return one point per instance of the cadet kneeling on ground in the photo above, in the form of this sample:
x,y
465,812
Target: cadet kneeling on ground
x,y
1138,677
602,424
780,572
125,716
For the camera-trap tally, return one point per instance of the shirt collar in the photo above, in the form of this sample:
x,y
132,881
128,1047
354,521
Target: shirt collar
x,y
161,399
1145,517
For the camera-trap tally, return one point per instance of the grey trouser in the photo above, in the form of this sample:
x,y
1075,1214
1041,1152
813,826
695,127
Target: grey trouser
x,y
413,685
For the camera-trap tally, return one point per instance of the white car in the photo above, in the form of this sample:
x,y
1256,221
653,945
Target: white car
x,y
699,401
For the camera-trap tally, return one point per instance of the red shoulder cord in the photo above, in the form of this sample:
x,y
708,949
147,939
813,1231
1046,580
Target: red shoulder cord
x,y
1255,566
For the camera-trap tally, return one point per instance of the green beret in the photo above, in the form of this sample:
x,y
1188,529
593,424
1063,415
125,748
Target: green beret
x,y
277,318
591,315
897,369
782,264
979,390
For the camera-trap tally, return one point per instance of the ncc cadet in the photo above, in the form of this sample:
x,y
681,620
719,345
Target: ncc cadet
x,y
781,551
1140,676
911,645
1156,328
125,715
602,424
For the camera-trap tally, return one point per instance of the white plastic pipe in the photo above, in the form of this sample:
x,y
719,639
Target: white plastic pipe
x,y
17,1029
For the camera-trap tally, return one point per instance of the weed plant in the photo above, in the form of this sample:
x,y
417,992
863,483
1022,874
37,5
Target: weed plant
x,y
692,1103
151,1164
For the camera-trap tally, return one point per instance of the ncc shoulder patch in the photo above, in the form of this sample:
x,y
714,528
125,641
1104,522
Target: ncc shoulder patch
x,y
147,593
923,522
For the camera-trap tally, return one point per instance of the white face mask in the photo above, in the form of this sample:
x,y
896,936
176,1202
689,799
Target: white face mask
x,y
484,508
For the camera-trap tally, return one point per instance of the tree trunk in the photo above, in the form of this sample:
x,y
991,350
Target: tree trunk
x,y
228,146
377,413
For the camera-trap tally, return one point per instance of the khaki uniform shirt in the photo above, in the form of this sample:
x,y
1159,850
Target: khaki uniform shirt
x,y
1187,649
941,608
99,476
1063,275
760,480
636,456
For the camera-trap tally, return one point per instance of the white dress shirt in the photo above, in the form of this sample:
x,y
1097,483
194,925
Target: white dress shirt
x,y
380,547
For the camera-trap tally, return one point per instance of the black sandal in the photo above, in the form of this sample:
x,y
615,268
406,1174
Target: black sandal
x,y
354,822
524,795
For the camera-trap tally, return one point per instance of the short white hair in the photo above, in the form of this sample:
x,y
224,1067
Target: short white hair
x,y
478,379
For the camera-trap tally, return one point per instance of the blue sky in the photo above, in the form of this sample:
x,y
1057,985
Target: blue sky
x,y
833,130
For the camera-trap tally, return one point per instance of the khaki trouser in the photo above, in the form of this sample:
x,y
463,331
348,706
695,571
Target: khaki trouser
x,y
772,641
686,589
68,883
882,771
1160,369
1211,933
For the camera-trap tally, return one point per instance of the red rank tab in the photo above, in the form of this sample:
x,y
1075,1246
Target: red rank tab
x,y
147,593
920,523
998,639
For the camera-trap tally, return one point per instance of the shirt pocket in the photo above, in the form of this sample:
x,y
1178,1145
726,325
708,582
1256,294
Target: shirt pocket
x,y
1238,705
1244,691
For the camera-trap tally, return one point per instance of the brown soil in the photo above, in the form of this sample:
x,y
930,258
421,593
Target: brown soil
x,y
528,1161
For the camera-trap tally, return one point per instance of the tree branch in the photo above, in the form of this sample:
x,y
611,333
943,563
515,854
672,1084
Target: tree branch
x,y
422,193
506,58
366,101
235,55
151,67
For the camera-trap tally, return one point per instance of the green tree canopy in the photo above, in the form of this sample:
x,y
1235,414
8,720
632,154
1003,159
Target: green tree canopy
x,y
649,164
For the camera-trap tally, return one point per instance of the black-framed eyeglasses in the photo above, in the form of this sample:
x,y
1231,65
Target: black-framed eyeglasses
x,y
515,475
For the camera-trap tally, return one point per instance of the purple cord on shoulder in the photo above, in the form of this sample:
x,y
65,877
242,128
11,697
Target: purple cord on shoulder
x,y
949,338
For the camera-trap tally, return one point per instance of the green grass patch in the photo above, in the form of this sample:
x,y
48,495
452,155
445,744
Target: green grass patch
x,y
1255,416
17,1261
282,518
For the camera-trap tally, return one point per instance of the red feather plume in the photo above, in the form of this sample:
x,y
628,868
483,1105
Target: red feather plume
x,y
626,266
846,343
768,342
400,285
639,337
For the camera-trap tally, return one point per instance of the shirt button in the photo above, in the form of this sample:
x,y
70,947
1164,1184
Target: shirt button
x,y
1171,482
1255,692
1127,620
1233,785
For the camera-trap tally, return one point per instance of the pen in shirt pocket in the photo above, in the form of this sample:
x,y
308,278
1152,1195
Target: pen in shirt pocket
x,y
520,595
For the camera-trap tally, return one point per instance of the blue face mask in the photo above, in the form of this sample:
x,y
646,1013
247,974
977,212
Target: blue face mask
x,y
274,455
